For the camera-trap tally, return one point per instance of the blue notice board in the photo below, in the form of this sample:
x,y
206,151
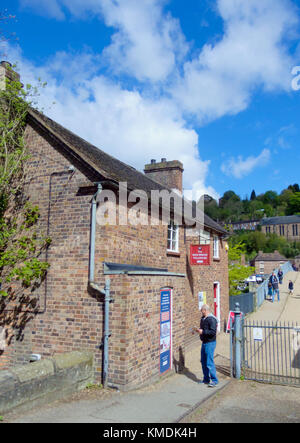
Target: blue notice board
x,y
165,330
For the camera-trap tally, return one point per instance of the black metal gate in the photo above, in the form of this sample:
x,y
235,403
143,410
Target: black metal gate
x,y
270,352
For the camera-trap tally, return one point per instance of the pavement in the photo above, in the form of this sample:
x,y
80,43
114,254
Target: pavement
x,y
250,402
166,401
174,398
286,310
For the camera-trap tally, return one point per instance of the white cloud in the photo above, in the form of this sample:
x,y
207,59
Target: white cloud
x,y
251,54
49,8
148,46
239,167
123,123
146,42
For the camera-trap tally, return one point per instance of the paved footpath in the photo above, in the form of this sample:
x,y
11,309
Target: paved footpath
x,y
166,401
249,401
287,309
169,400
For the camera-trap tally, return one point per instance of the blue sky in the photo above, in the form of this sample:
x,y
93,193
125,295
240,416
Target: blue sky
x,y
206,82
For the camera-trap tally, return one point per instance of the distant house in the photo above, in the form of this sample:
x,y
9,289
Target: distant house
x,y
265,263
287,226
243,225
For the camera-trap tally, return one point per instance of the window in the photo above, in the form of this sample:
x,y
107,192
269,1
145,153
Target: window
x,y
204,237
295,230
216,247
281,230
261,267
173,237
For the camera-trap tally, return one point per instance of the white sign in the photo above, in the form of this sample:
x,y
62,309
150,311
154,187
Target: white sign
x,y
201,299
257,334
296,340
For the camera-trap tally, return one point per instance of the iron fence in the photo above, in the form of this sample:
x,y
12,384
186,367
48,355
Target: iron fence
x,y
262,290
270,352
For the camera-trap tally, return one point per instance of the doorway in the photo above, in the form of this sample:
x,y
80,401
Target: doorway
x,y
217,304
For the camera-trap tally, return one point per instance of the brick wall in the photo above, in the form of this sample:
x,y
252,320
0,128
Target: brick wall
x,y
201,279
70,317
289,233
269,266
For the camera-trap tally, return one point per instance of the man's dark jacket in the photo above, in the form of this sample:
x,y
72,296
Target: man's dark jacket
x,y
274,280
209,326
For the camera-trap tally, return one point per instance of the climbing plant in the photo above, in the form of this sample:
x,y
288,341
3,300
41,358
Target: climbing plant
x,y
237,272
21,243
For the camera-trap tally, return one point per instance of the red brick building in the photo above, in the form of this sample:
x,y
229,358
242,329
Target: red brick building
x,y
67,312
265,263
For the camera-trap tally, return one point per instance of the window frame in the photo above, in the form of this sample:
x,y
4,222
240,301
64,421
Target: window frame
x,y
173,229
216,247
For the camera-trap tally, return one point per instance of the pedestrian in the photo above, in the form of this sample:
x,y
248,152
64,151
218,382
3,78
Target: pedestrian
x,y
291,287
208,336
275,286
280,276
270,290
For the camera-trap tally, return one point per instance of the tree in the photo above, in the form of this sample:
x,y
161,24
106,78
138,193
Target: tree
x,y
21,243
212,209
237,272
253,195
293,207
271,198
294,188
229,195
237,275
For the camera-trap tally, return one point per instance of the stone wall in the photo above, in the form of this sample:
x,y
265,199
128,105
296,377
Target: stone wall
x,y
35,384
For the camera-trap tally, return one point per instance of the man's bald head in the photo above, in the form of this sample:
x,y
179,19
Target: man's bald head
x,y
205,310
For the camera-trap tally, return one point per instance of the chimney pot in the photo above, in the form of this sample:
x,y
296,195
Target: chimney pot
x,y
167,173
6,64
6,72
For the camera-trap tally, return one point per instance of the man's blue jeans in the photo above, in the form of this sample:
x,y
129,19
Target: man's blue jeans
x,y
275,291
207,361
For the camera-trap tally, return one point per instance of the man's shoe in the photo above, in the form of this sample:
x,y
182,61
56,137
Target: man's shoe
x,y
212,384
203,382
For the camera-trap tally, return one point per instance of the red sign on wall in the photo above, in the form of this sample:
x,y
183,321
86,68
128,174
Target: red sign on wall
x,y
200,254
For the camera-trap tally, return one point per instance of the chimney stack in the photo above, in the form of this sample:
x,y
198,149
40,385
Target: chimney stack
x,y
7,72
167,173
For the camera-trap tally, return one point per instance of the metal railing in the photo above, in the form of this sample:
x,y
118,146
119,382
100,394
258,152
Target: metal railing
x,y
262,290
271,352
264,351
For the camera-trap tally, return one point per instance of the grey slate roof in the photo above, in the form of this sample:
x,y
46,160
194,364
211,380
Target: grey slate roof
x,y
102,163
288,219
270,256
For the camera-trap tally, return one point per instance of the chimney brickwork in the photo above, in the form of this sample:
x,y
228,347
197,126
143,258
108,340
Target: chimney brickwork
x,y
167,173
7,72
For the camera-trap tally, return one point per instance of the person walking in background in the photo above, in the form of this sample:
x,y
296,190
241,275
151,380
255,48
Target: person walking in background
x,y
291,287
275,286
270,290
280,276
208,336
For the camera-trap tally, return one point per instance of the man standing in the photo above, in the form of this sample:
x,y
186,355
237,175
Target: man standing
x,y
208,335
274,281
